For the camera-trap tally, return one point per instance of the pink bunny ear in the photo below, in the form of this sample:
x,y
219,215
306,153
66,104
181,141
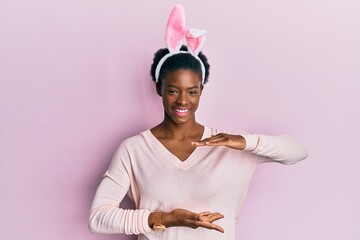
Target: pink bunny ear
x,y
176,34
195,39
175,29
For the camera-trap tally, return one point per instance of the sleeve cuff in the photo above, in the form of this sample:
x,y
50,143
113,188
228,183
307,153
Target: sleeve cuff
x,y
145,224
251,141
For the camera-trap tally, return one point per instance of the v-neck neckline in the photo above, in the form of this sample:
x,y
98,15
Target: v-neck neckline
x,y
188,162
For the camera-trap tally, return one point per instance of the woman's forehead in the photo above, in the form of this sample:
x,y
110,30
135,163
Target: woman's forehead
x,y
182,77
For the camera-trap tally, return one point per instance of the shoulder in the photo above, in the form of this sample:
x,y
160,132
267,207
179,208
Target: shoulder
x,y
133,142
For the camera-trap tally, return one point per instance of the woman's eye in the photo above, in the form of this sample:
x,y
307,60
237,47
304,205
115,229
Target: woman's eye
x,y
172,91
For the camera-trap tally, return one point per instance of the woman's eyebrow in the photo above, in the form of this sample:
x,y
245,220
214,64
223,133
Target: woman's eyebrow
x,y
193,87
172,86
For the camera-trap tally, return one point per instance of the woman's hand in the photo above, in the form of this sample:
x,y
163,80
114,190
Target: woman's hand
x,y
185,218
223,139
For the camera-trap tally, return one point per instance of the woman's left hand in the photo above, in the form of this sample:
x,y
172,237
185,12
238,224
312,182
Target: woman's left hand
x,y
223,139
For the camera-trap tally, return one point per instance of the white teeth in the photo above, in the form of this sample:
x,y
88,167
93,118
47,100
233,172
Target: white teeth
x,y
182,110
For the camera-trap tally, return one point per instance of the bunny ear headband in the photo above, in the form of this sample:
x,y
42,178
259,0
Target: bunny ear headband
x,y
176,35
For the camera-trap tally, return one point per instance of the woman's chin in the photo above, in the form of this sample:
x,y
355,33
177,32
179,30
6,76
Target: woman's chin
x,y
181,120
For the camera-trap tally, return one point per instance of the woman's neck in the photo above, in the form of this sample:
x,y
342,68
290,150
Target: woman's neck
x,y
168,128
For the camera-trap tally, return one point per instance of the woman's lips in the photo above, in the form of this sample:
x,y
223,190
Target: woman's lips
x,y
180,111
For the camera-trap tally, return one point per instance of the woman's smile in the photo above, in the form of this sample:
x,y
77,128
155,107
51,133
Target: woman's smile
x,y
181,112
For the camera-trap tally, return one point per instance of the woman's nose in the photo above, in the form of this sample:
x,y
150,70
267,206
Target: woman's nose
x,y
183,99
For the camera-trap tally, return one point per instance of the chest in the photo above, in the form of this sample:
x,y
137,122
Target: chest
x,y
181,149
212,174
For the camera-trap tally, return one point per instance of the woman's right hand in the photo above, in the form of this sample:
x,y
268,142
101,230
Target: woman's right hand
x,y
185,218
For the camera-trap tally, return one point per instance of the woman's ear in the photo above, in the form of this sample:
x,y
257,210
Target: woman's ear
x,y
158,89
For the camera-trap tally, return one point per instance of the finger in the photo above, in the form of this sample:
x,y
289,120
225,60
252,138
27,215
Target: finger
x,y
204,216
201,142
217,138
209,139
211,217
222,142
209,225
219,141
214,217
198,144
204,213
214,137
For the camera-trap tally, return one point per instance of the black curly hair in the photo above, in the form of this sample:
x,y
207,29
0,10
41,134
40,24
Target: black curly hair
x,y
178,61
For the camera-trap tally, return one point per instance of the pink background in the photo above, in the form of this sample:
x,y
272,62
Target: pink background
x,y
74,83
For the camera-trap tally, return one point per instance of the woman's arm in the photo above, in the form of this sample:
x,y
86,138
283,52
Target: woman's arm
x,y
107,217
278,148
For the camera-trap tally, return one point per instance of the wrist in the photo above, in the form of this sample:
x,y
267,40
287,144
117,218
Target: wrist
x,y
155,221
151,219
167,219
242,143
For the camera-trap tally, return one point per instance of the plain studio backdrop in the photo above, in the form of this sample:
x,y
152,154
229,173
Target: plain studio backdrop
x,y
74,83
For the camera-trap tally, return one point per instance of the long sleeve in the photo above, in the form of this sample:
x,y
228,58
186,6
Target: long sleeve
x,y
277,148
106,216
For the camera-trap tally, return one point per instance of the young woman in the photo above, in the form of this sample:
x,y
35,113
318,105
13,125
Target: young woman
x,y
186,179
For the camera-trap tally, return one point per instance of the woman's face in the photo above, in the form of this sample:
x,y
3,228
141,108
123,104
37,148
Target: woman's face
x,y
180,91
